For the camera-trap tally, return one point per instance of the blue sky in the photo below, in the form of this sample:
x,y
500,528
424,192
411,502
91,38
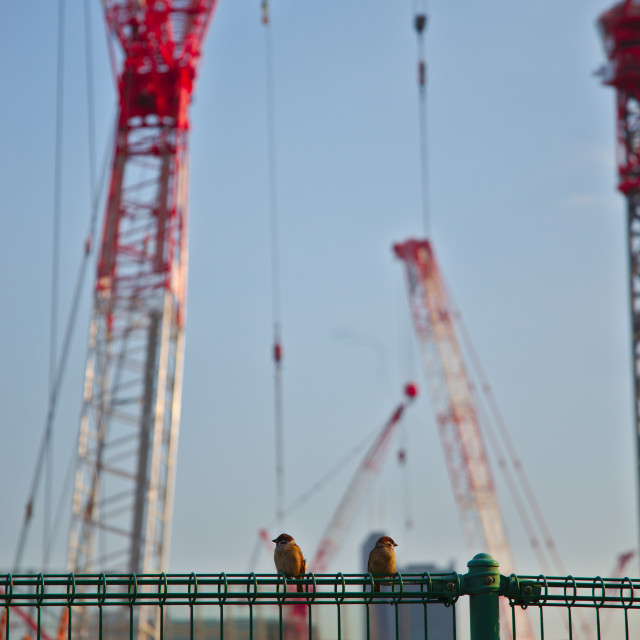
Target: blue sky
x,y
525,219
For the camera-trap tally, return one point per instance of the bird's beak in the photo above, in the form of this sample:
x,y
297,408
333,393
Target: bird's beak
x,y
274,540
394,544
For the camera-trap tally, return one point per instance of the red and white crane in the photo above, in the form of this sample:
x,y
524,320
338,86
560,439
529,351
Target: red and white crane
x,y
127,446
456,414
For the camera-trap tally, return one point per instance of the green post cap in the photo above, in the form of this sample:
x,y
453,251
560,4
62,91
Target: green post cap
x,y
482,560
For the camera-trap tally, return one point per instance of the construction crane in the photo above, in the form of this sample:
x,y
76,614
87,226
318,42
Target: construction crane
x,y
358,488
620,31
456,414
127,445
352,499
354,495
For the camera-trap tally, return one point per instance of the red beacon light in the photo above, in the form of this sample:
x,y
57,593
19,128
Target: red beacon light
x,y
411,390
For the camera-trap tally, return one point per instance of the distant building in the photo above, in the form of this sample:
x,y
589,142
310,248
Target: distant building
x,y
234,629
382,618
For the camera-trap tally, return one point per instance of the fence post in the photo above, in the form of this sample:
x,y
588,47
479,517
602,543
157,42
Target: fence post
x,y
482,583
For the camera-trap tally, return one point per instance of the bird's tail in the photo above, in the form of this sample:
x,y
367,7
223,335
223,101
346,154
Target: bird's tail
x,y
303,570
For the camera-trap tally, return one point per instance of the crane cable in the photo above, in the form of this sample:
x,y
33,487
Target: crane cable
x,y
420,24
55,270
494,427
59,369
275,270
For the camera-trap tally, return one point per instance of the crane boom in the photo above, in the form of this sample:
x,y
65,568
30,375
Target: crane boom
x,y
451,395
127,446
358,488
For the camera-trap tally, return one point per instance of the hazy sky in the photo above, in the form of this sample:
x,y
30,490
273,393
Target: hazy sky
x,y
528,227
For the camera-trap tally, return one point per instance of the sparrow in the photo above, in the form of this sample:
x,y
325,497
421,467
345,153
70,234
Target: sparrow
x,y
382,559
288,558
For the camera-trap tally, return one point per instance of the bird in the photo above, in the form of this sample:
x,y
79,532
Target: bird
x,y
288,558
382,559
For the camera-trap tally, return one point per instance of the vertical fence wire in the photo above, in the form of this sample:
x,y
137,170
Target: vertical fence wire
x,y
626,604
132,593
339,600
39,599
368,623
162,598
102,596
71,596
598,582
425,617
626,624
192,591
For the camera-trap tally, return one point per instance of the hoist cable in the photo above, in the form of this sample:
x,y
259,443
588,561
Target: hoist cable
x,y
88,46
89,242
494,427
275,267
69,332
55,268
53,398
420,24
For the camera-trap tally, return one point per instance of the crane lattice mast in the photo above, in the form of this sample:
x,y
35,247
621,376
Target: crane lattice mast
x,y
620,31
456,414
124,483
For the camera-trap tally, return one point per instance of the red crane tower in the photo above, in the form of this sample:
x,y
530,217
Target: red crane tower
x,y
620,31
127,446
451,395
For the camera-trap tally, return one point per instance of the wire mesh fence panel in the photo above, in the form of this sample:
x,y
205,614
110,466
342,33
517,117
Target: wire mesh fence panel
x,y
443,606
584,607
232,606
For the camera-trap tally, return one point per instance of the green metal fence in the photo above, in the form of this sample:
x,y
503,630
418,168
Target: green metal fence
x,y
104,606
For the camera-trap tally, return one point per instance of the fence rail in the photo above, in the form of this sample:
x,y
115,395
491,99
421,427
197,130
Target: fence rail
x,y
218,589
30,595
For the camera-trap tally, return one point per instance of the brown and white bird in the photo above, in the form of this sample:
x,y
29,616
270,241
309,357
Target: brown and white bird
x,y
382,559
288,558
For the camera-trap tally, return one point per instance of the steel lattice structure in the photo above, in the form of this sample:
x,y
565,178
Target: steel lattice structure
x,y
620,30
455,409
126,460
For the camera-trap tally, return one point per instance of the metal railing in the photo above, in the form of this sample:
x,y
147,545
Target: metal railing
x,y
59,606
